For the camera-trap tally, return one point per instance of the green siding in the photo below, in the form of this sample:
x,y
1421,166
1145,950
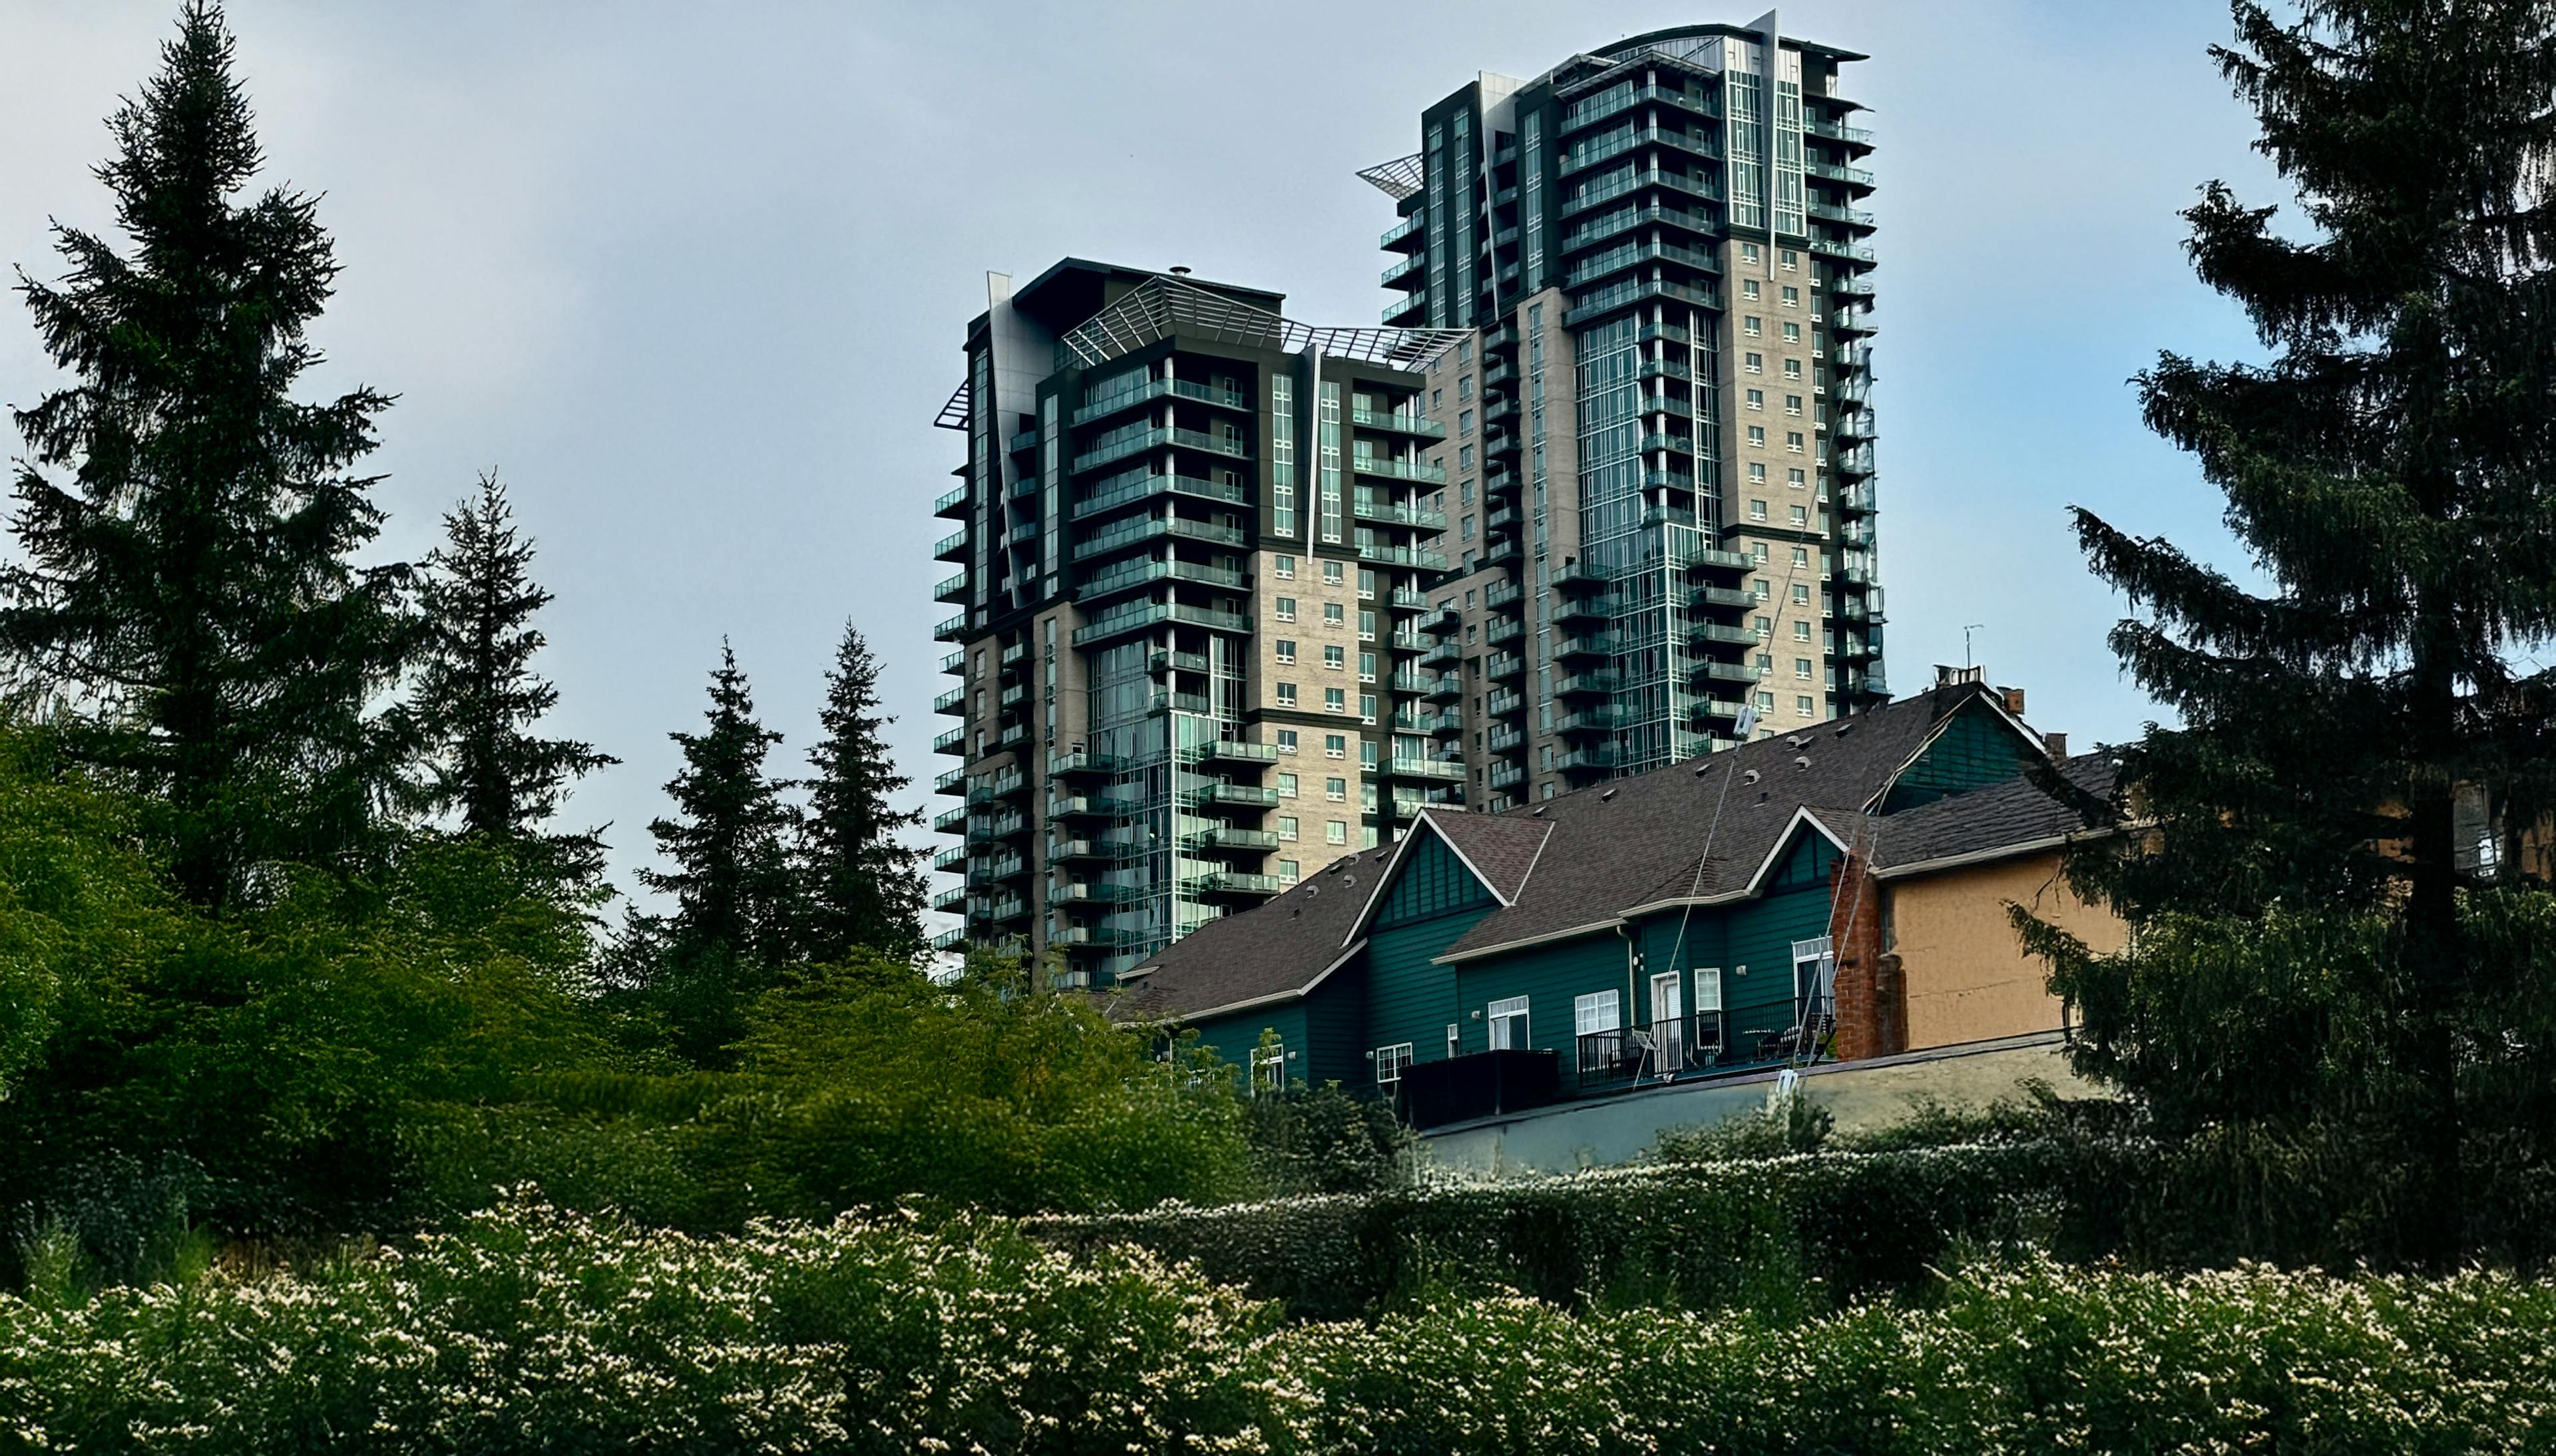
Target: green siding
x,y
1236,1035
1432,883
1551,976
1975,749
1434,901
1336,1046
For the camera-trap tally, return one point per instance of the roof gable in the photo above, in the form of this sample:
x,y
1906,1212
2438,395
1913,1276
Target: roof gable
x,y
1431,880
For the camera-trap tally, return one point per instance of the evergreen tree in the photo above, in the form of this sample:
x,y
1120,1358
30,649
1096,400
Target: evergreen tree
x,y
2301,968
859,887
478,698
728,843
192,580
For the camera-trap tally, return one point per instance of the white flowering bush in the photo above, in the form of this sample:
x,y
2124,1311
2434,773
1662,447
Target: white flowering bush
x,y
530,1329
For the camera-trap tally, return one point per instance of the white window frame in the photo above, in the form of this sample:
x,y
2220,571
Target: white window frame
x,y
1496,1024
1269,1067
1596,1013
1389,1062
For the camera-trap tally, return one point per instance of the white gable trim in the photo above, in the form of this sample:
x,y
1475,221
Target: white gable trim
x,y
1402,852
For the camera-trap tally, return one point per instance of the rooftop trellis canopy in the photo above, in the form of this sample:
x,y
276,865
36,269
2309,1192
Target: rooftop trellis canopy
x,y
1399,179
1164,306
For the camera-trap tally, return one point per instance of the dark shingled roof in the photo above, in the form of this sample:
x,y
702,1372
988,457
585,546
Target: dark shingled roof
x,y
2008,815
1594,853
1500,847
1277,947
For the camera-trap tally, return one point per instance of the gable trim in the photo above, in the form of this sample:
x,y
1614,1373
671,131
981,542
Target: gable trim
x,y
1402,852
1982,696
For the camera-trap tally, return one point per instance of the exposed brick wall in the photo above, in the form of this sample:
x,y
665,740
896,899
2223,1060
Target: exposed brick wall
x,y
1871,993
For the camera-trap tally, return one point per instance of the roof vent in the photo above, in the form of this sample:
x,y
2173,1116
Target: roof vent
x,y
1703,769
1793,740
1749,778
1609,794
1347,882
1801,762
1536,814
1845,728
1181,269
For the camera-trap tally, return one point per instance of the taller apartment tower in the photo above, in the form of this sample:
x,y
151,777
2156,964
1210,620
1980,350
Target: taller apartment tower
x,y
1659,431
1191,541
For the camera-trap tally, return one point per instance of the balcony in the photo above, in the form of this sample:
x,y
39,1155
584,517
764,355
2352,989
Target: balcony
x,y
1396,470
1587,645
1408,272
1230,446
1229,839
1596,758
1078,765
1439,770
1144,617
1158,388
951,629
1714,558
1502,702
951,548
1236,751
955,701
1589,720
1142,484
1232,884
1102,807
952,503
953,741
1390,513
1448,724
1503,665
1446,688
1583,609
1085,892
1588,684
1400,421
1506,775
1239,795
950,820
1706,1041
1505,739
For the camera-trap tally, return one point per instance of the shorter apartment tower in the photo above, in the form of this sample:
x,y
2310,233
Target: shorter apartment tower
x,y
1190,543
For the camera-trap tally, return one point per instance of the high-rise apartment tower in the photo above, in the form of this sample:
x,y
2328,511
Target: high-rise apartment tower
x,y
1659,431
1191,533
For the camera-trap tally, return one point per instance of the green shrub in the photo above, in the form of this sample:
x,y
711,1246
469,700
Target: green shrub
x,y
1787,1235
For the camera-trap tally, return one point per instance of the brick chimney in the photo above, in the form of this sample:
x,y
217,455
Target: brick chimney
x,y
2057,743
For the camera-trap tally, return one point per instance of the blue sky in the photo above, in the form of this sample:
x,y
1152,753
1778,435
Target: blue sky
x,y
694,279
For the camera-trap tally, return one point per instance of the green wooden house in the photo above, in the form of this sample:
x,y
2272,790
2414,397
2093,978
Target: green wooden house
x,y
1673,924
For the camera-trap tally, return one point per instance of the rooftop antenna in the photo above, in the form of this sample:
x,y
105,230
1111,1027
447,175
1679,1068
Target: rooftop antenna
x,y
1967,629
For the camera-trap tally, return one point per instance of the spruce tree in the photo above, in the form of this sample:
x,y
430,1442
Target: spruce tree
x,y
728,844
477,698
188,525
2389,470
858,886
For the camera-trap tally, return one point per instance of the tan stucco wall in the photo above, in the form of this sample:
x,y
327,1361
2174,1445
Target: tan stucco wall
x,y
1967,976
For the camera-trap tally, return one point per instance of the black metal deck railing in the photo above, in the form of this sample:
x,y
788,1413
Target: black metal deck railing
x,y
1703,1042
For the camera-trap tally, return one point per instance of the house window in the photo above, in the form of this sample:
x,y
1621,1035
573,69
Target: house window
x,y
1793,369
1286,694
1752,325
1801,593
1332,573
1286,785
1707,989
1335,789
1334,832
1268,1067
1336,700
1756,509
1748,287
1801,632
1287,827
1793,477
1366,666
1508,1022
1803,709
1748,252
1287,872
1367,624
1757,440
1596,1014
1283,567
1757,472
1286,740
1792,403
1390,1060
1335,745
1793,440
1334,615
1283,608
1367,704
1336,659
1756,399
1754,363
1454,1039
1802,670
1801,517
1814,972
1792,332
1792,297
1284,649
1801,555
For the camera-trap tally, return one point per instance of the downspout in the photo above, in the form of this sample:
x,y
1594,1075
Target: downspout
x,y
1631,973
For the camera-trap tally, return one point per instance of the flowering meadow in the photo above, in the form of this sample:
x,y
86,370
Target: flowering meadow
x,y
530,1328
